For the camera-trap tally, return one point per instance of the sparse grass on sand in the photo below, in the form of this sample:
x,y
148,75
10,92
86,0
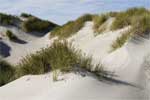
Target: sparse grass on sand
x,y
71,27
98,20
120,41
138,19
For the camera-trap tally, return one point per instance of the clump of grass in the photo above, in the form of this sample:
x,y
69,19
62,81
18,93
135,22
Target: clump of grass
x,y
7,72
125,18
120,41
58,56
98,21
11,35
71,27
34,24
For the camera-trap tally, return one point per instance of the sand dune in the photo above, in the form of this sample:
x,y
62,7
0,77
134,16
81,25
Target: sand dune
x,y
126,62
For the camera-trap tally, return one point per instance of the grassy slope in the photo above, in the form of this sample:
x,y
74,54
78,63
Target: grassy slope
x,y
71,27
137,18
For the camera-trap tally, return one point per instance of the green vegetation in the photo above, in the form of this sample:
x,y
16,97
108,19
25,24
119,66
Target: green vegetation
x,y
112,14
59,56
10,35
98,21
138,18
34,24
25,15
120,41
8,19
141,24
125,18
55,75
71,27
7,72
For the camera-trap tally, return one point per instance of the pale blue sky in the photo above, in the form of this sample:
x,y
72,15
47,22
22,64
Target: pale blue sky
x,y
61,11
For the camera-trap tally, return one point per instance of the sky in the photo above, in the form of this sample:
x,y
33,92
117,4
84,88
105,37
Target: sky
x,y
61,11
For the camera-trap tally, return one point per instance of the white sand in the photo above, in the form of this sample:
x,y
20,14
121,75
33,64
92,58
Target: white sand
x,y
126,62
74,87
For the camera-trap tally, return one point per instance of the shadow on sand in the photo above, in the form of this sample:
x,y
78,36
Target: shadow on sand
x,y
20,41
106,77
4,49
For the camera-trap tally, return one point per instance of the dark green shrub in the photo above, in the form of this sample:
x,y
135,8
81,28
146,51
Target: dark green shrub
x,y
8,19
25,15
71,27
34,24
7,72
10,35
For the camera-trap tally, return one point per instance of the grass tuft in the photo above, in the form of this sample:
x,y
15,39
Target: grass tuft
x,y
7,72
